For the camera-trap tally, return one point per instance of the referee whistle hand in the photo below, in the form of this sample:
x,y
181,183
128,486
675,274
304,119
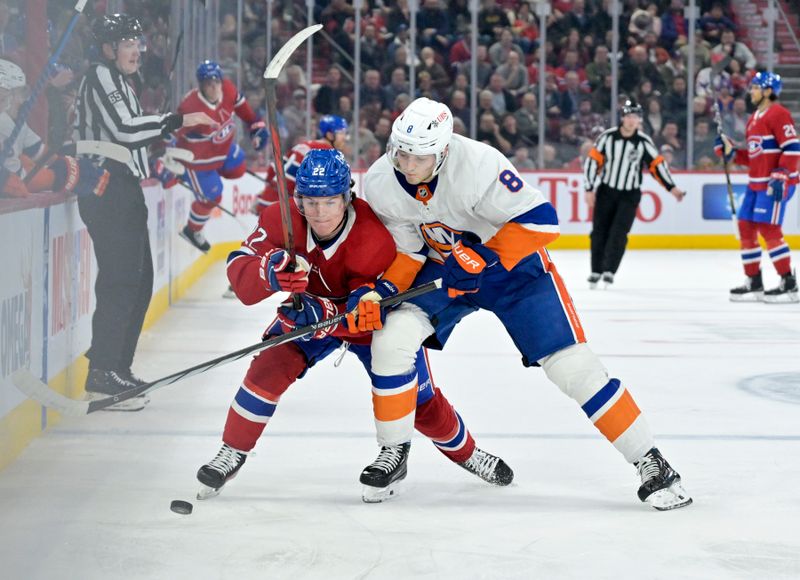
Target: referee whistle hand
x,y
590,197
194,119
678,193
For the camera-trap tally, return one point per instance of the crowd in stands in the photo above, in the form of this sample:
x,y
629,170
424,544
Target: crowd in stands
x,y
654,50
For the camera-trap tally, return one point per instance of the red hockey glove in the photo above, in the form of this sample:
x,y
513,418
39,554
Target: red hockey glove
x,y
274,270
313,309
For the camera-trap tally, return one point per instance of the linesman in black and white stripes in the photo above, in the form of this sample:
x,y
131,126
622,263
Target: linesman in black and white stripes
x,y
108,110
612,180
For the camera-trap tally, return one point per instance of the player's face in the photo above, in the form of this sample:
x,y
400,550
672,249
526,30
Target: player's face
x,y
756,94
323,214
416,168
212,90
339,140
127,56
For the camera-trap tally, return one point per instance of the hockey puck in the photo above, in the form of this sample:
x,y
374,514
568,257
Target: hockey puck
x,y
181,507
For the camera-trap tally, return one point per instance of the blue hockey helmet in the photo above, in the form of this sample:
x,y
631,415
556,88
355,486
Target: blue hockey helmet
x,y
768,80
323,173
208,69
331,124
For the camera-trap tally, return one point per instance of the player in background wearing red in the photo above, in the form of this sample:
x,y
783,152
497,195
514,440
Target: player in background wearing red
x,y
333,135
340,245
216,152
771,157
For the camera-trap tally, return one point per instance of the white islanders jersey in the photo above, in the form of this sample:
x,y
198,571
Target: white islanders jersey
x,y
478,190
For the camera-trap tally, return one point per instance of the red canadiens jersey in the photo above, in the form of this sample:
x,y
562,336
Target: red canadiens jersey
x,y
771,143
290,165
211,146
359,255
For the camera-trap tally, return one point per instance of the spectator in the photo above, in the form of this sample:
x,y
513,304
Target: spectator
x,y
383,130
489,133
587,120
425,87
373,53
522,159
674,27
295,115
399,18
568,142
440,80
499,51
599,68
515,74
714,22
571,63
327,99
344,108
525,27
703,141
669,136
636,68
485,105
399,59
461,83
461,51
577,163
528,119
371,89
459,107
676,101
370,152
653,119
728,46
674,67
492,20
502,100
734,122
398,85
668,153
570,98
510,133
708,82
433,26
702,51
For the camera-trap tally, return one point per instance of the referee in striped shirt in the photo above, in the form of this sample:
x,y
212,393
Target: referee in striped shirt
x,y
108,110
613,177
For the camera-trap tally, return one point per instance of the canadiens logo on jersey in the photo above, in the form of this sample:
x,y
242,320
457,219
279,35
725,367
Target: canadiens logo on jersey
x,y
440,238
755,146
224,132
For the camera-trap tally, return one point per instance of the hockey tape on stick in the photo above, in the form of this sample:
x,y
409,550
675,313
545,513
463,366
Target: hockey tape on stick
x,y
39,391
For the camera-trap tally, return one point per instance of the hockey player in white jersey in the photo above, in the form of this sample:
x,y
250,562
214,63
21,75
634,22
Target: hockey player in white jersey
x,y
458,210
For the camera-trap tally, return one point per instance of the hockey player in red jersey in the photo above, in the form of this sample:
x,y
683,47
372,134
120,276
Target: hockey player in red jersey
x,y
340,245
333,135
772,155
216,152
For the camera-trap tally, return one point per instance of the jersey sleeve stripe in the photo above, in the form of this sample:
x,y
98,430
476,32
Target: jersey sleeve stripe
x,y
403,270
514,242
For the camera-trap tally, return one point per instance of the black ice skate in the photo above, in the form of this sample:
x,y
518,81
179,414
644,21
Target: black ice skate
x,y
197,239
100,384
489,468
381,477
786,291
751,291
593,279
661,485
608,279
219,471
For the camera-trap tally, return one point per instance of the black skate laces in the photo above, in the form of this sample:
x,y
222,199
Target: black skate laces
x,y
226,460
481,463
388,459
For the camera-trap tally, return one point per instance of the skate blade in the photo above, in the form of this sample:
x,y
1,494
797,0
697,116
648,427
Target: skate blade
x,y
191,241
670,498
789,298
206,492
749,297
128,406
592,285
371,494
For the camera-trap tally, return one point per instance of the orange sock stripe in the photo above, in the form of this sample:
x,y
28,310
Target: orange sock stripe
x,y
394,407
566,299
618,418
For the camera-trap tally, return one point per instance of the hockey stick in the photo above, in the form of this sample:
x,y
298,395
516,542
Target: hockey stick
x,y
270,81
44,76
256,175
39,391
716,70
100,148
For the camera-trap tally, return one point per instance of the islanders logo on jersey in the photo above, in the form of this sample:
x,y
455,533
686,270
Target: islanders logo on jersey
x,y
224,132
755,145
440,238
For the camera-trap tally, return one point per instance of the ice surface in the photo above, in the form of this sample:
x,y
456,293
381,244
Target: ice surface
x,y
719,383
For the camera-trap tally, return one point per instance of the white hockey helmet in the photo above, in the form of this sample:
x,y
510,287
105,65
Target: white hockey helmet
x,y
424,128
11,76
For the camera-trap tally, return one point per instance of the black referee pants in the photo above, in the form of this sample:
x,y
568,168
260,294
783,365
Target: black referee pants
x,y
117,224
614,212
